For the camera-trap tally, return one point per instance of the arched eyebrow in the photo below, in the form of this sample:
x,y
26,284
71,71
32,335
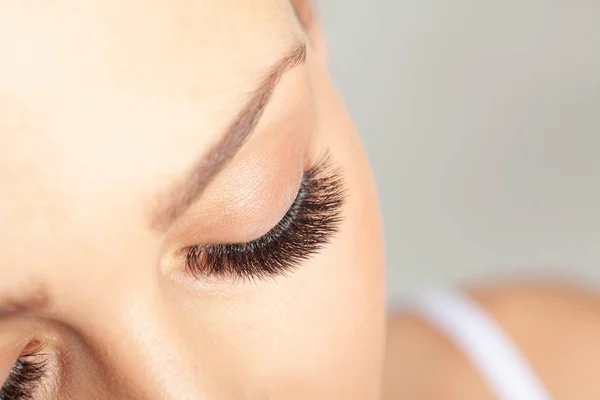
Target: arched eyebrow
x,y
184,192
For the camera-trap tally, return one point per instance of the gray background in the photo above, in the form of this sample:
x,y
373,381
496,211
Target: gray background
x,y
482,122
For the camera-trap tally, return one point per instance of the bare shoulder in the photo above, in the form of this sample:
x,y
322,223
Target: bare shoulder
x,y
556,326
558,329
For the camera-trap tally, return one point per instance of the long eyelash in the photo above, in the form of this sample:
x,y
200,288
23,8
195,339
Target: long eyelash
x,y
306,228
24,378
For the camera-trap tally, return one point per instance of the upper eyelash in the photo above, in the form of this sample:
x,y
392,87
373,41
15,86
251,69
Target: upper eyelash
x,y
312,219
25,377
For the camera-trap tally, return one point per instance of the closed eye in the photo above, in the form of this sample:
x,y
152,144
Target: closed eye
x,y
313,218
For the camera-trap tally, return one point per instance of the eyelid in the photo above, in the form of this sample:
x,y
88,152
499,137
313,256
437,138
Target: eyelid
x,y
249,197
259,204
270,166
306,228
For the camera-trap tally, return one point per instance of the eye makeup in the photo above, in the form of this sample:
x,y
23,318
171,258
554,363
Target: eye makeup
x,y
307,226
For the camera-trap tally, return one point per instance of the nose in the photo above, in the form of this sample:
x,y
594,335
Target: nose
x,y
149,359
161,364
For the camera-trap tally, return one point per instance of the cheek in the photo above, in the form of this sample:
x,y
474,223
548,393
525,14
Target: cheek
x,y
356,261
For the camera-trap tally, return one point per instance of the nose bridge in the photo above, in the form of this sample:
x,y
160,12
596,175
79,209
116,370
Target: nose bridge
x,y
150,357
142,345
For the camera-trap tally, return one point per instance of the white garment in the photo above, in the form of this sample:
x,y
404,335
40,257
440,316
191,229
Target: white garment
x,y
484,342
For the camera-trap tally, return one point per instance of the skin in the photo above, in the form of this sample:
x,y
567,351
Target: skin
x,y
555,326
103,108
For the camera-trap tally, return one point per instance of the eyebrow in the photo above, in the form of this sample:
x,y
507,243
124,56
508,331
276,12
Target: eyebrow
x,y
31,303
176,199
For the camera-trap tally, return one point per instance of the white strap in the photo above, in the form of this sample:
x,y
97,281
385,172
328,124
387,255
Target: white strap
x,y
501,365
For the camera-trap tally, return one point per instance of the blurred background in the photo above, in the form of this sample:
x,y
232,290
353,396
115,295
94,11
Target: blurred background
x,y
482,122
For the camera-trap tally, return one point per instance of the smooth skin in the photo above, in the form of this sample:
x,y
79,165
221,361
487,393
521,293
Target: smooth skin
x,y
104,107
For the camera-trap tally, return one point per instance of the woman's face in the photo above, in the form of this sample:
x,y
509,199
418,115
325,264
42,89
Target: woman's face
x,y
186,211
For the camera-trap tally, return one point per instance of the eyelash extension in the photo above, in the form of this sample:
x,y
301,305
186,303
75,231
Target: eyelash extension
x,y
308,225
25,377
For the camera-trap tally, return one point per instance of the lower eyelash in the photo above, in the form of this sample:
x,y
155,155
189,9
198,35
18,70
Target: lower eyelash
x,y
25,377
306,228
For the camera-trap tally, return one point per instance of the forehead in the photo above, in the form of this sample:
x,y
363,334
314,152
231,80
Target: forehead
x,y
81,84
102,97
68,66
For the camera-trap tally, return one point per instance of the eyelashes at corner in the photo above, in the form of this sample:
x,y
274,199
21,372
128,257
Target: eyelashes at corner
x,y
313,218
25,376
